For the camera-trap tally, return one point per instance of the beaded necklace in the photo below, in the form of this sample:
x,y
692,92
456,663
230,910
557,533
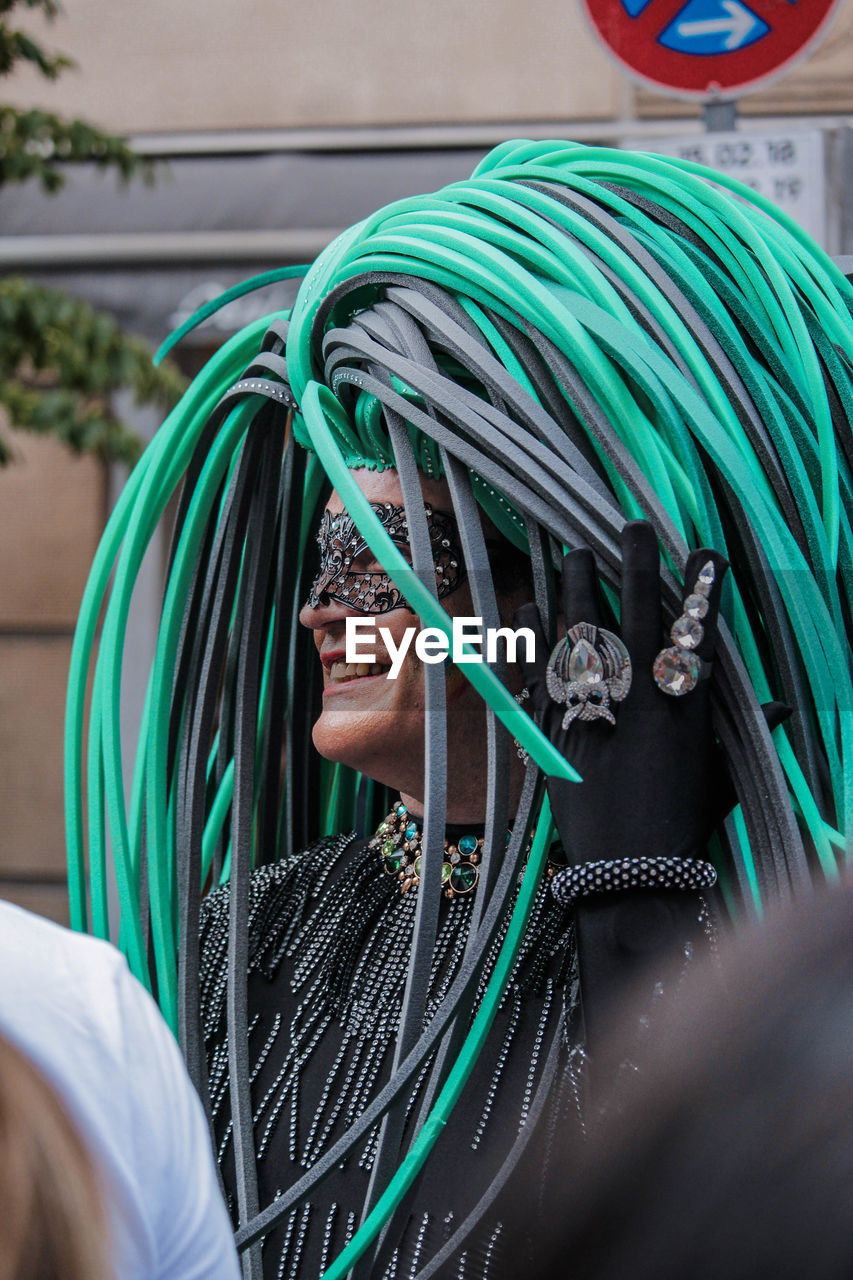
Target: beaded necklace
x,y
398,841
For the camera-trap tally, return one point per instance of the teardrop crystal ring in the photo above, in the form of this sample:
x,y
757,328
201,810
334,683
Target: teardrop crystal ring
x,y
677,670
587,671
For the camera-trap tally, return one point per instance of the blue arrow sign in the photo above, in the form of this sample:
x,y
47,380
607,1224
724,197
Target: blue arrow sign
x,y
713,27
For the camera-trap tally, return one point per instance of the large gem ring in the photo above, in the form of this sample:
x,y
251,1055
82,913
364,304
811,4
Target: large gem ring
x,y
588,671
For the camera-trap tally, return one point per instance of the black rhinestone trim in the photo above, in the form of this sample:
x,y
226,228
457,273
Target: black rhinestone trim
x,y
631,873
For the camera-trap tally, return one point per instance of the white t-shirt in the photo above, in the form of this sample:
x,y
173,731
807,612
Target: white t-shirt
x,y
71,1004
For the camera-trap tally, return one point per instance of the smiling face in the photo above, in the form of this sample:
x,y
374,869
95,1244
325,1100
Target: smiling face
x,y
370,721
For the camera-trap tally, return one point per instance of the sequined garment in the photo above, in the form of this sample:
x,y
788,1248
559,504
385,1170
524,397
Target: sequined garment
x,y
329,941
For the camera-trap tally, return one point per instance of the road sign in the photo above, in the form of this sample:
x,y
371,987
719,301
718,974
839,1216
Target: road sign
x,y
701,48
789,168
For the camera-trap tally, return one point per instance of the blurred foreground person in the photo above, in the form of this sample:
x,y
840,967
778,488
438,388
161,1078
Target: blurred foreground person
x,y
54,1226
727,1147
71,1005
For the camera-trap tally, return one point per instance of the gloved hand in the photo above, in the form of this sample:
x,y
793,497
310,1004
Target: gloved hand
x,y
648,788
647,778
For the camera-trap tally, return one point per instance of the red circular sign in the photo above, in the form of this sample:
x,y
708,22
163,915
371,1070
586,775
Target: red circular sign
x,y
704,47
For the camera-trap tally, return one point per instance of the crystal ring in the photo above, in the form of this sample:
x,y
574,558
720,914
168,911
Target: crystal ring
x,y
677,672
586,672
678,669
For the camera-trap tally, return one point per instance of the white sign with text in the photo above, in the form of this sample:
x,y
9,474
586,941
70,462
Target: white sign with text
x,y
787,168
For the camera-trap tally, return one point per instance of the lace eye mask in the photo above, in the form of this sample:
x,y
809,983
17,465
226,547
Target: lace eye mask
x,y
369,591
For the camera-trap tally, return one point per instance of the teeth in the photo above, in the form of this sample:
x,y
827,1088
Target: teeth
x,y
340,671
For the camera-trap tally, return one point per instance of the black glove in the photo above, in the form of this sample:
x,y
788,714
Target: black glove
x,y
647,778
646,789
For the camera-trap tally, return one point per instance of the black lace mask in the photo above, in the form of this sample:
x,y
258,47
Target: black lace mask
x,y
369,591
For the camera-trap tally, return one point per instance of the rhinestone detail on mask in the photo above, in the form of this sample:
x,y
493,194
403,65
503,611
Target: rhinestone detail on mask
x,y
372,591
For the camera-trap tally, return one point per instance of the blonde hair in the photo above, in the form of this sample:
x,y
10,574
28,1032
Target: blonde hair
x,y
54,1225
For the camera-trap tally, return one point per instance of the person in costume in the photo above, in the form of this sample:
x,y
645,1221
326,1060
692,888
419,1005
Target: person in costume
x,y
576,351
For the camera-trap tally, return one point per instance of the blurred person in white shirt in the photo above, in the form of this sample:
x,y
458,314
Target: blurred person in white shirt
x,y
71,1005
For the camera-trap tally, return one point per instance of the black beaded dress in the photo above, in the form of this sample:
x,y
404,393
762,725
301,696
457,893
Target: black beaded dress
x,y
329,941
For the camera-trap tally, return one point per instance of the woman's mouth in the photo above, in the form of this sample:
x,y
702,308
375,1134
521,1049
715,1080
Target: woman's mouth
x,y
343,672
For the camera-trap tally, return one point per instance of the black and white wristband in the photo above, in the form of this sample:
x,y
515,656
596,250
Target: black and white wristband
x,y
613,875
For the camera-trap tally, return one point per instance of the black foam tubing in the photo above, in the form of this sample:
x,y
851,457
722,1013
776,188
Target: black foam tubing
x,y
416,992
411,342
527,500
254,586
516,460
793,689
198,600
198,720
450,337
285,581
485,606
395,328
782,856
347,347
700,324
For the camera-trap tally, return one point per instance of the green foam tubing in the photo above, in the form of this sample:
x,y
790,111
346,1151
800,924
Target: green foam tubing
x,y
210,308
204,496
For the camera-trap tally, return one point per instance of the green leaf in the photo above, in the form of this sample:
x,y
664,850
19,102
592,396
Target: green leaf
x,y
61,363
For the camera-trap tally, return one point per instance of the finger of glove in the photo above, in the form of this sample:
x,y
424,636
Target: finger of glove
x,y
580,588
776,713
696,562
533,665
641,623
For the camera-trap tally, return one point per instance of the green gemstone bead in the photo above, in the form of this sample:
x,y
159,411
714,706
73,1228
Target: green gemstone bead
x,y
463,878
389,846
418,867
467,845
393,862
445,872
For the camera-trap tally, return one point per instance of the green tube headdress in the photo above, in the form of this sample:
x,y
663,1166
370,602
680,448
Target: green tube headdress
x,y
573,337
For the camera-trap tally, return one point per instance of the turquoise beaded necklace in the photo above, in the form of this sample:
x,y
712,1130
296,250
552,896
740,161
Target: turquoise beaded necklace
x,y
398,842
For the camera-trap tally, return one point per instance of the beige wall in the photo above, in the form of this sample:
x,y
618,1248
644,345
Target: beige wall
x,y
52,508
152,65
155,65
